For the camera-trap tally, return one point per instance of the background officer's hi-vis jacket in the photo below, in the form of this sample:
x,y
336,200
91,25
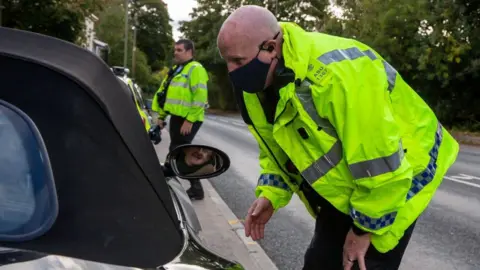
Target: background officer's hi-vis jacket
x,y
356,132
186,94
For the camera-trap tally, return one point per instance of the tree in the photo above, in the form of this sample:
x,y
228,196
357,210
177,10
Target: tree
x,y
432,45
207,18
110,29
62,19
154,35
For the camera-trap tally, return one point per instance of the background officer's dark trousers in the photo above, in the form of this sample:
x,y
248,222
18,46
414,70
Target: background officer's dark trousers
x,y
176,139
326,249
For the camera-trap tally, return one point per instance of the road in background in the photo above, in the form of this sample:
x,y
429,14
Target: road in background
x,y
447,236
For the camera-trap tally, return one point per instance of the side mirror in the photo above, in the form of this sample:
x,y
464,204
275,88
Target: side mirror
x,y
28,197
193,161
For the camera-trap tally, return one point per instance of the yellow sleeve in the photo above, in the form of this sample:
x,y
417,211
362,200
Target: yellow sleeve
x,y
198,87
271,184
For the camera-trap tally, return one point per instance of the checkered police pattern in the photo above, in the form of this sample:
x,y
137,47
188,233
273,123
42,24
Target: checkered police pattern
x,y
272,180
373,223
418,183
425,177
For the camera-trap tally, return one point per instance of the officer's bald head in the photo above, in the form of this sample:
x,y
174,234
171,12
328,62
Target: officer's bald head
x,y
243,31
250,22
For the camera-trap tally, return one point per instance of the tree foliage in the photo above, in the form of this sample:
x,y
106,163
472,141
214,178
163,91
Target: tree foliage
x,y
63,19
154,37
434,44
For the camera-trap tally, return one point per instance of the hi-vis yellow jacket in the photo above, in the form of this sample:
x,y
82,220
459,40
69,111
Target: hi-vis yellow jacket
x,y
357,133
187,94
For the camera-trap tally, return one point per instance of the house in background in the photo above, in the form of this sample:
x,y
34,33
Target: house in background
x,y
91,43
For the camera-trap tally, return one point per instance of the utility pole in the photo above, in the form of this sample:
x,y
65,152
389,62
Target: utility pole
x,y
1,8
134,48
125,49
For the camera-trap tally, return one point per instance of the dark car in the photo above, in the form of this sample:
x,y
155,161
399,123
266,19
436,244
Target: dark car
x,y
80,181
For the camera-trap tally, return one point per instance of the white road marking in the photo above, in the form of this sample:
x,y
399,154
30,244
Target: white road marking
x,y
238,124
232,122
462,182
465,177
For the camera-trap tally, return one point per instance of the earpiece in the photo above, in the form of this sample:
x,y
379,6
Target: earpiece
x,y
270,48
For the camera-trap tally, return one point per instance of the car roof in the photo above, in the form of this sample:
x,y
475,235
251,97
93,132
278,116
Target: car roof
x,y
112,192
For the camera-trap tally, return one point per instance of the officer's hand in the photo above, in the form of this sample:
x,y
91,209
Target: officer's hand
x,y
186,128
258,215
160,123
354,249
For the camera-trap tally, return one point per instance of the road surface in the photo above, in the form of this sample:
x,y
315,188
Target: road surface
x,y
446,237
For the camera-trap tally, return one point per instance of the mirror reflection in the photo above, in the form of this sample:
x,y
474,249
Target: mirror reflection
x,y
197,161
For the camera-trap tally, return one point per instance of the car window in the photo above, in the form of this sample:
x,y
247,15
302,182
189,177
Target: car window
x,y
139,97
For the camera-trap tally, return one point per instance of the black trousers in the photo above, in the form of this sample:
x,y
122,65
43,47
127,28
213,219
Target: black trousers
x,y
326,248
176,139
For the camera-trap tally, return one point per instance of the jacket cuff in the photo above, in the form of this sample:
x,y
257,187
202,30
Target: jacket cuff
x,y
358,231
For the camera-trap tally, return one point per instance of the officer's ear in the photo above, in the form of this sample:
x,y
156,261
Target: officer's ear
x,y
270,46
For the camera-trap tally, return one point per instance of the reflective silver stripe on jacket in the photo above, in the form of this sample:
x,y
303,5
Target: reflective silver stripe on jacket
x,y
324,164
368,168
391,75
304,94
333,157
355,53
198,86
186,84
378,166
185,103
344,54
179,84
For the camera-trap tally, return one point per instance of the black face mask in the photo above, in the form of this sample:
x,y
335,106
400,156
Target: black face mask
x,y
251,77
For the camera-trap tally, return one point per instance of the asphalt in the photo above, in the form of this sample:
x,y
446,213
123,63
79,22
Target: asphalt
x,y
447,235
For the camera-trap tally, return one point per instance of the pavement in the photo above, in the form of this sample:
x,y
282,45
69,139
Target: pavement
x,y
446,237
222,231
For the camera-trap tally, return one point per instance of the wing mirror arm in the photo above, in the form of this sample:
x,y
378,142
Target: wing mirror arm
x,y
167,170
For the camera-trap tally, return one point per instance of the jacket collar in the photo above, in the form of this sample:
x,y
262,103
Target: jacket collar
x,y
184,64
296,49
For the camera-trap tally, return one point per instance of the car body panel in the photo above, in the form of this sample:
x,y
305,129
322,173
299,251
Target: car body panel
x,y
186,205
194,254
142,111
